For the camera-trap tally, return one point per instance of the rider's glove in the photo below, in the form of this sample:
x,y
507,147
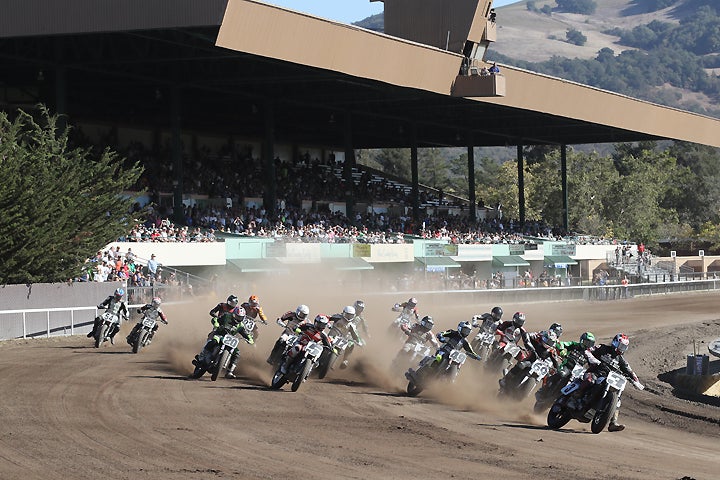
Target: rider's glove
x,y
593,360
250,340
638,385
139,310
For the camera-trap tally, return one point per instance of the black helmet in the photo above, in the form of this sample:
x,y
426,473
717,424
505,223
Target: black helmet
x,y
557,328
427,322
232,300
496,313
518,319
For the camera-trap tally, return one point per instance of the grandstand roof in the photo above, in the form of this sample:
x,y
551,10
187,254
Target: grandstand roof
x,y
123,60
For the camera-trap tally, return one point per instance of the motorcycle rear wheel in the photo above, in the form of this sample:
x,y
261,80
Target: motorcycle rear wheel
x,y
604,413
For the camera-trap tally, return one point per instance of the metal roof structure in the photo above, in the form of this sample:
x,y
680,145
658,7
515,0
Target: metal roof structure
x,y
124,61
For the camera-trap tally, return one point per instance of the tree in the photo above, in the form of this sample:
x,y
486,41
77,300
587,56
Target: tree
x,y
575,37
59,206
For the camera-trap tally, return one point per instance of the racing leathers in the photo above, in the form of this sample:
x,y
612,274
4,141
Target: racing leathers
x,y
342,327
308,333
486,322
150,311
450,340
290,321
601,359
571,354
227,320
111,305
255,312
535,348
418,333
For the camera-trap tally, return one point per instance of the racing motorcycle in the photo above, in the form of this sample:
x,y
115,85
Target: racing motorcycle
x,y
219,357
330,355
141,337
287,339
519,385
299,369
571,369
597,406
500,357
405,318
483,343
445,365
110,322
414,350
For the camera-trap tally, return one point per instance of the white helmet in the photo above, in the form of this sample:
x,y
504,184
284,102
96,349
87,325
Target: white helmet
x,y
302,312
156,302
348,312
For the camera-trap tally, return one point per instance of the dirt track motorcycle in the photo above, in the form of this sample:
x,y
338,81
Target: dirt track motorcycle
x,y
569,371
144,334
286,340
519,385
502,357
330,355
445,365
596,407
110,322
300,368
405,318
414,350
218,358
483,344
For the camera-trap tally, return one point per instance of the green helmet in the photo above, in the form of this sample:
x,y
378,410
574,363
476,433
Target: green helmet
x,y
587,340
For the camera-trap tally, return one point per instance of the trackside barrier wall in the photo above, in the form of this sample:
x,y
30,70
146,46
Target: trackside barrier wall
x,y
46,322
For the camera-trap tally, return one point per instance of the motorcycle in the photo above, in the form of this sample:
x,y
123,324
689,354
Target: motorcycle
x,y
405,318
597,406
569,371
520,385
299,369
446,365
414,350
110,322
483,343
501,358
284,342
330,355
219,357
141,337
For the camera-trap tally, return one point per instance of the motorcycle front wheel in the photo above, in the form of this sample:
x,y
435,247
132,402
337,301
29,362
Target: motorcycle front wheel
x,y
414,389
100,335
604,413
138,341
220,365
301,376
278,381
558,417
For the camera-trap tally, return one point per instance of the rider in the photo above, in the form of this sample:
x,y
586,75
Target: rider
x,y
538,345
488,322
254,310
557,328
309,332
290,321
450,340
587,340
602,357
408,308
421,331
342,325
113,304
359,306
226,321
151,310
511,331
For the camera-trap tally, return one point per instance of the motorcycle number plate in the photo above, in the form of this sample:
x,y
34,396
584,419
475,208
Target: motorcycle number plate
x,y
230,341
540,368
248,324
109,317
314,349
419,347
487,338
148,322
340,343
616,381
457,357
569,388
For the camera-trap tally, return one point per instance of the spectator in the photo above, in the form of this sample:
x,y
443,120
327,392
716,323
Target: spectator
x,y
492,15
494,69
152,267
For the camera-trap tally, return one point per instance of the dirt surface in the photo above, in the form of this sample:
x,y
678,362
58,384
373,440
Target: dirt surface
x,y
70,411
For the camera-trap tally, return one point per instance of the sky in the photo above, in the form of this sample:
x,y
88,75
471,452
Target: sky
x,y
346,11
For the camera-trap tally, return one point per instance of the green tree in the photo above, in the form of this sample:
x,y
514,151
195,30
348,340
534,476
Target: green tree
x,y
575,37
59,206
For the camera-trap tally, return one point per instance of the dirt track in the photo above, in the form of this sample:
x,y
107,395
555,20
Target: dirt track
x,y
70,411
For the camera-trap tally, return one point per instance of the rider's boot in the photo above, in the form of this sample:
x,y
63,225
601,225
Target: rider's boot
x,y
229,373
614,426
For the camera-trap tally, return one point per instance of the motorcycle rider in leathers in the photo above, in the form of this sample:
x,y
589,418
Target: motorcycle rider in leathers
x,y
538,345
359,321
511,331
450,340
603,357
408,308
254,310
587,340
421,331
290,320
115,305
309,332
343,325
488,322
151,310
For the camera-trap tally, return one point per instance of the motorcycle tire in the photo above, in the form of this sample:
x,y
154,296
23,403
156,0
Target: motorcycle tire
x,y
558,419
414,389
278,381
604,413
100,335
452,372
138,341
326,363
199,372
220,365
302,376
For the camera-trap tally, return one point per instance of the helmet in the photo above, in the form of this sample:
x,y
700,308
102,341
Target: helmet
x,y
321,321
427,322
241,313
156,302
621,343
587,340
253,301
557,328
348,312
464,328
232,301
359,306
119,292
302,312
518,319
412,303
549,337
496,313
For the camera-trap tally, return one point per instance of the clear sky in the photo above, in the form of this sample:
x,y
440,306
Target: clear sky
x,y
347,11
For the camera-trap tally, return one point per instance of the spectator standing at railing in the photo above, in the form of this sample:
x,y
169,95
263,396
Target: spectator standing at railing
x,y
152,267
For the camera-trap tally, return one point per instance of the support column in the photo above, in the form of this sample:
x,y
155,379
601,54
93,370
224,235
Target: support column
x,y
414,169
521,183
176,154
563,179
348,167
471,178
268,159
60,87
